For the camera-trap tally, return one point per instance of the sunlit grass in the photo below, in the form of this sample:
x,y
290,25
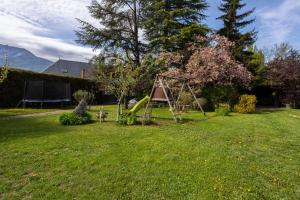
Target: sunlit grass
x,y
252,156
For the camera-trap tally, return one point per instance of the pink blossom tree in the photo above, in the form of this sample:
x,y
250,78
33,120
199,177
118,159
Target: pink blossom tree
x,y
207,62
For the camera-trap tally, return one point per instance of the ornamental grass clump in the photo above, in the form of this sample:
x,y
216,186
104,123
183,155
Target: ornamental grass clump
x,y
247,104
87,96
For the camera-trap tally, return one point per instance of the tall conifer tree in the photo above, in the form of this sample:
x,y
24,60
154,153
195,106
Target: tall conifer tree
x,y
171,24
233,22
118,30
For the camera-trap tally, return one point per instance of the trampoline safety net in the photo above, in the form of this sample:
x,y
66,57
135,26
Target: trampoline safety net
x,y
47,91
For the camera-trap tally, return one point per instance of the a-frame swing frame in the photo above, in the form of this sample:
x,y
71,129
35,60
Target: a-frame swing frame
x,y
160,81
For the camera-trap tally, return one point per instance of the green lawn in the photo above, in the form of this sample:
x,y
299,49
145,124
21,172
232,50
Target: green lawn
x,y
21,111
253,156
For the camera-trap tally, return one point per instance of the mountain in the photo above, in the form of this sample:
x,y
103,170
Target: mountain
x,y
22,58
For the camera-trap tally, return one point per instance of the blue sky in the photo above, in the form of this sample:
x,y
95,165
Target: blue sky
x,y
46,27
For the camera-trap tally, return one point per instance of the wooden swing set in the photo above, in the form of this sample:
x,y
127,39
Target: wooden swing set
x,y
163,93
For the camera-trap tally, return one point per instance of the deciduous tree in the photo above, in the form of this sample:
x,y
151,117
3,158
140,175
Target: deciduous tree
x,y
209,65
284,74
117,79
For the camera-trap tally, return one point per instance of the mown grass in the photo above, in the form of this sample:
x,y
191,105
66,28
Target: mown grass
x,y
21,111
238,157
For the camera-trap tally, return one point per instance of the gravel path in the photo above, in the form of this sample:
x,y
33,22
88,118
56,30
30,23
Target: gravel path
x,y
35,114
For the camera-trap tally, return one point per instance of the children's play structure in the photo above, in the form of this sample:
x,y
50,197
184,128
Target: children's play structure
x,y
166,90
131,119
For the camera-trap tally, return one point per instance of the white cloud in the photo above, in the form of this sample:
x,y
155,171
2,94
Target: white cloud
x,y
280,23
44,27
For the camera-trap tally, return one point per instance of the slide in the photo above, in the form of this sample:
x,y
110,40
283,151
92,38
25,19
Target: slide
x,y
139,105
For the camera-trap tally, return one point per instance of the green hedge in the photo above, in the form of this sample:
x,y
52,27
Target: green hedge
x,y
12,89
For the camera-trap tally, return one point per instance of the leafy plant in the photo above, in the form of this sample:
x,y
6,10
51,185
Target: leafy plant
x,y
246,104
186,98
131,119
222,109
127,119
70,119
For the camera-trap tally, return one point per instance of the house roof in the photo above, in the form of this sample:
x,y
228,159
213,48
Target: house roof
x,y
69,68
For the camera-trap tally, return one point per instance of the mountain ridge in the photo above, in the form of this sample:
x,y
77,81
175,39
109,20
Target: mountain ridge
x,y
23,58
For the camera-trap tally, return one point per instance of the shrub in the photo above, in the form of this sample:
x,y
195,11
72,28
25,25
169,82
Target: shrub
x,y
220,94
131,120
126,119
122,119
70,119
222,109
186,98
202,101
246,104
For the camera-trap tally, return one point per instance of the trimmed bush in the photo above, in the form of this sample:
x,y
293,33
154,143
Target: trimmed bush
x,y
220,94
202,101
222,109
247,104
70,119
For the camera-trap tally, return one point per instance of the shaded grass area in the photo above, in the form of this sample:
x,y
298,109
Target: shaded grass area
x,y
22,111
237,157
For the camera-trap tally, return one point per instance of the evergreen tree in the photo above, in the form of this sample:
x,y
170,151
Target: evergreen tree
x,y
171,24
118,31
257,66
234,22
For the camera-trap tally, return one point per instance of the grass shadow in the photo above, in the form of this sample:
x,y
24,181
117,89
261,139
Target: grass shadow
x,y
32,128
269,110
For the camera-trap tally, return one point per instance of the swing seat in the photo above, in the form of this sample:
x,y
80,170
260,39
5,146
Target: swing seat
x,y
159,95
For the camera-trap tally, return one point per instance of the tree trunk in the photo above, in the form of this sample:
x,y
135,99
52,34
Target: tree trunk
x,y
119,109
136,35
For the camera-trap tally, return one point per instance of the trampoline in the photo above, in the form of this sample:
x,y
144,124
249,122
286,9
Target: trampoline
x,y
41,91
